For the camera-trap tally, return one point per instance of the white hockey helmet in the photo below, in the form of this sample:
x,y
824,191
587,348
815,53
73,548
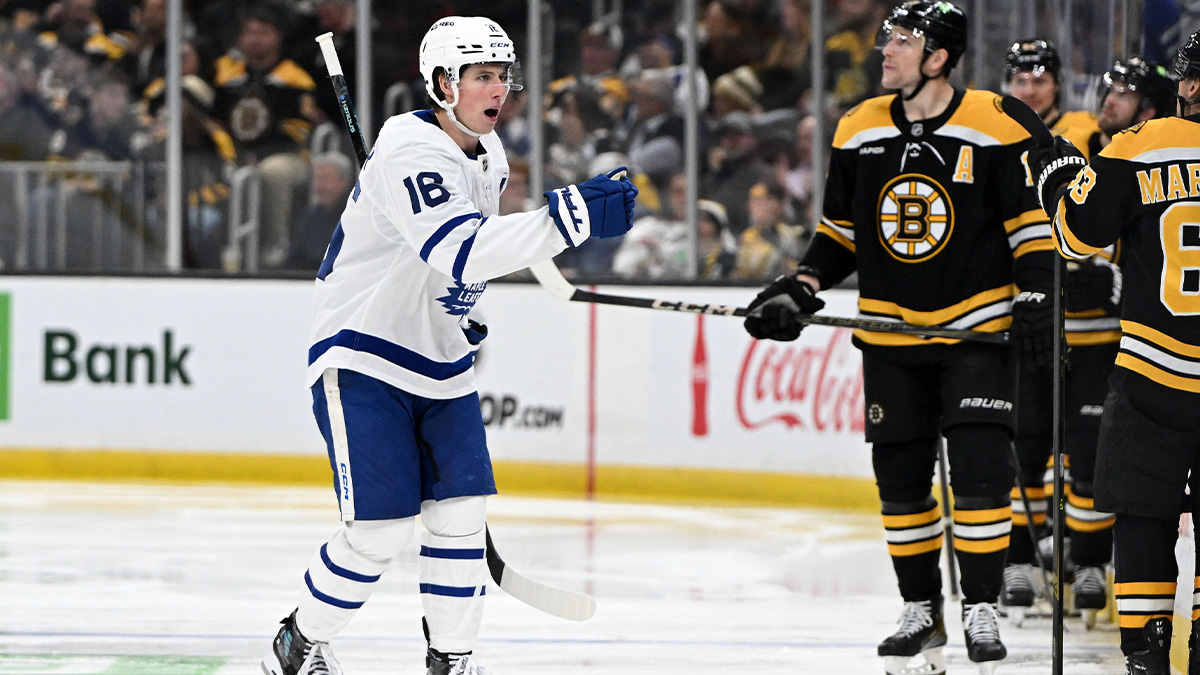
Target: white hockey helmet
x,y
456,42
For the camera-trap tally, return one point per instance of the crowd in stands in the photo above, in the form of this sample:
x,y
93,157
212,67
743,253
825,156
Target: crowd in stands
x,y
84,80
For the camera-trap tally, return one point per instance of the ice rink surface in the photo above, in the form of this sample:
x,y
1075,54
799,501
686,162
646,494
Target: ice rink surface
x,y
192,580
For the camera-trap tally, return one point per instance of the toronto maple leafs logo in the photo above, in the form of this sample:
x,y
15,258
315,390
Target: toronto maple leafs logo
x,y
460,299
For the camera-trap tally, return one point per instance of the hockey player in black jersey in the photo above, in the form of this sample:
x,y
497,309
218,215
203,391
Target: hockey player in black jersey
x,y
1134,91
928,200
1143,190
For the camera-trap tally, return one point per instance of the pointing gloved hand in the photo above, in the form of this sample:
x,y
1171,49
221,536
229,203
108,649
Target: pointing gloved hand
x,y
600,207
1033,327
773,314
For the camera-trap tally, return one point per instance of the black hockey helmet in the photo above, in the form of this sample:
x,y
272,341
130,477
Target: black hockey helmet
x,y
1187,59
1036,55
943,26
1146,78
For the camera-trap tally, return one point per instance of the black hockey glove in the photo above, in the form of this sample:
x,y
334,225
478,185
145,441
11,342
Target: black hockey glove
x,y
1033,328
1093,284
773,314
1054,166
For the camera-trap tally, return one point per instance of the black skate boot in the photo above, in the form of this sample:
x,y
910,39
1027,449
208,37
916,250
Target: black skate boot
x,y
1018,592
981,627
293,654
441,663
1155,659
922,633
1091,593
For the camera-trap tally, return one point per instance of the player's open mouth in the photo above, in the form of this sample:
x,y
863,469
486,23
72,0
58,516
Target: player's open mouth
x,y
493,114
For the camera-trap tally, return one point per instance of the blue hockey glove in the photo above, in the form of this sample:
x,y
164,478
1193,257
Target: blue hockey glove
x,y
1033,328
773,314
600,207
1054,166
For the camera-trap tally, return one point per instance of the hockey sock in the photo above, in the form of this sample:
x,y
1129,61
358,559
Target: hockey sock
x,y
1021,547
343,573
981,533
914,537
453,574
1146,573
1091,530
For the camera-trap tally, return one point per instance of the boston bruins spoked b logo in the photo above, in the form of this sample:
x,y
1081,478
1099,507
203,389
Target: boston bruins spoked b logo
x,y
915,217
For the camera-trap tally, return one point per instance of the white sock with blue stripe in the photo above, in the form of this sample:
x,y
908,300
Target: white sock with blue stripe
x,y
343,573
453,574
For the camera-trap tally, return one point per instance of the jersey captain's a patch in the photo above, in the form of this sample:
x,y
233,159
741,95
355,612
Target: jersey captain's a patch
x,y
915,217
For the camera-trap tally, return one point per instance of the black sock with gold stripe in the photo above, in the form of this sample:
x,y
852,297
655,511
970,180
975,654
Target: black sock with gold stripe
x,y
914,537
981,531
1146,575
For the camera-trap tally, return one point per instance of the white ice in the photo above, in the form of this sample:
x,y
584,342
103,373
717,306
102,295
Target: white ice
x,y
192,580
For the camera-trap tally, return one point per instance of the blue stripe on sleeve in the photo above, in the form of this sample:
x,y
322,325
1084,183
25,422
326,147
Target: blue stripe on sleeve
x,y
329,599
443,231
343,572
453,591
453,553
460,261
392,353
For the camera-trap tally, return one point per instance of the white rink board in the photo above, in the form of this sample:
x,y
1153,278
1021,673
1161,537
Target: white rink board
x,y
783,408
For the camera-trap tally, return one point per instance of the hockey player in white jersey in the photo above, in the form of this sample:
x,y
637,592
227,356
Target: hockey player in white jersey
x,y
392,348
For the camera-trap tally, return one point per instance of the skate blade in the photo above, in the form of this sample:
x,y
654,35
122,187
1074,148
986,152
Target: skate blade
x,y
928,662
987,667
1089,618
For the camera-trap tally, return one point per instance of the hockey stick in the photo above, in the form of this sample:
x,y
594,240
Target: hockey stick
x,y
947,520
557,285
1025,116
559,602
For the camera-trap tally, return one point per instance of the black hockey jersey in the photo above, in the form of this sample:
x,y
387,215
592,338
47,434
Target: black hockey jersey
x,y
939,217
1144,188
1101,325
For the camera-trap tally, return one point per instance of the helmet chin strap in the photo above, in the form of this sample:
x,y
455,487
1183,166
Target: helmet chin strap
x,y
924,79
449,108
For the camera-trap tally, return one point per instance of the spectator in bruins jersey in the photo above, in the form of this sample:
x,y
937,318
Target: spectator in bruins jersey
x,y
853,64
75,25
927,199
770,246
1136,91
599,51
266,102
209,159
1141,191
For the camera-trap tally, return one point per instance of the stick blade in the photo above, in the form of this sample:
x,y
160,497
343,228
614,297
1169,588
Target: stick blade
x,y
1028,119
551,279
564,604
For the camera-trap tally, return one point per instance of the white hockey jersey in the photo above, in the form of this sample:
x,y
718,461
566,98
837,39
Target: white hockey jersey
x,y
414,250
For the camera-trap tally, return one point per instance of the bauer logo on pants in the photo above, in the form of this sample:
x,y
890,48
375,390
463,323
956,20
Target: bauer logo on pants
x,y
5,353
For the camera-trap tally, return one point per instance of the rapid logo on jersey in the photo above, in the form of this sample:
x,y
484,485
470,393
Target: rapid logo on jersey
x,y
5,353
915,217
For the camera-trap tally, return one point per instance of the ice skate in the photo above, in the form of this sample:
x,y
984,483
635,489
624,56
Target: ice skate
x,y
922,633
981,627
293,654
439,663
1091,593
1155,659
1018,592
